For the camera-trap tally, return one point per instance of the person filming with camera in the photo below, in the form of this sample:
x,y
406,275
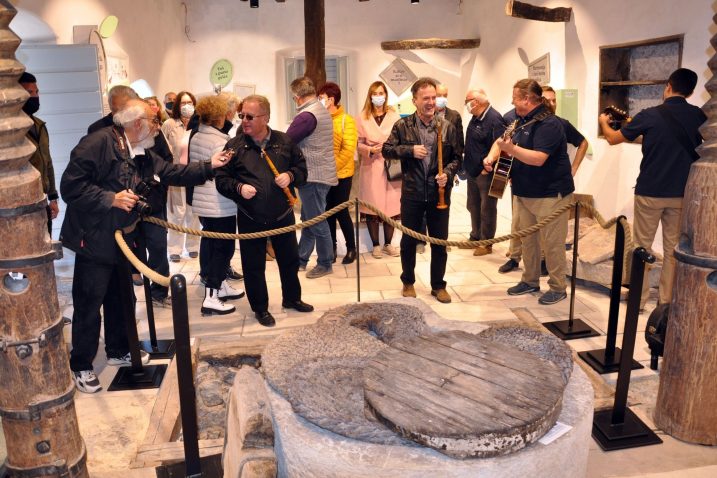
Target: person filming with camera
x,y
112,178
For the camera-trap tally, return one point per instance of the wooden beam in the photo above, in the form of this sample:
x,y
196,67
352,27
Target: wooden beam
x,y
530,12
425,43
314,37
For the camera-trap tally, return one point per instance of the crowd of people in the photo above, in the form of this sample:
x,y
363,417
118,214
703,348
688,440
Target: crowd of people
x,y
189,162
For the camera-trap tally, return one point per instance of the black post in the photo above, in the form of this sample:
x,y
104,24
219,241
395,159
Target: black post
x,y
620,428
157,349
572,328
185,375
136,376
358,249
607,360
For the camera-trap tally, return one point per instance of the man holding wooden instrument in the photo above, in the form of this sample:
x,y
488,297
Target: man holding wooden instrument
x,y
428,163
541,182
263,204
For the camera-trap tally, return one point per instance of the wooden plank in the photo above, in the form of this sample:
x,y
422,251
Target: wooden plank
x,y
160,453
164,420
514,8
425,43
226,347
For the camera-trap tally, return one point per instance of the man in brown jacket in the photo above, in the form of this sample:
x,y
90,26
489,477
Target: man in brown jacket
x,y
37,134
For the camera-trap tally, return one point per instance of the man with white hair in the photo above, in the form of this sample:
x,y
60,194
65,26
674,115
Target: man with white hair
x,y
486,125
99,184
117,97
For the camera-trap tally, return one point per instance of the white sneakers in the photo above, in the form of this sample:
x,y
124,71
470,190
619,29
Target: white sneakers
x,y
214,300
227,292
127,359
389,250
86,381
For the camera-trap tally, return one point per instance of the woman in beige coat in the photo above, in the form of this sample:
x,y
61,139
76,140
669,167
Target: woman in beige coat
x,y
374,126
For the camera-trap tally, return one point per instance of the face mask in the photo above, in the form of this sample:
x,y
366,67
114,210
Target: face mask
x,y
31,105
378,100
469,107
187,110
441,102
324,102
169,105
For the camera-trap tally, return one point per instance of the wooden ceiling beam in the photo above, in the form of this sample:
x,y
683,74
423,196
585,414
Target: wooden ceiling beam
x,y
425,43
514,8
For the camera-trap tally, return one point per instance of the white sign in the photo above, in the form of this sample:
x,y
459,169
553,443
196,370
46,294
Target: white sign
x,y
398,76
539,70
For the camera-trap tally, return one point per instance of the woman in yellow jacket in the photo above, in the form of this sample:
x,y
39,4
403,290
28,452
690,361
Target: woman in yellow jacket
x,y
345,141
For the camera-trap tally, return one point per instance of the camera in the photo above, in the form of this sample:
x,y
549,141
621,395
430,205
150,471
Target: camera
x,y
142,206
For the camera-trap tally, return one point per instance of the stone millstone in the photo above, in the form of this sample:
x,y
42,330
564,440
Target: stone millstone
x,y
386,321
544,345
462,395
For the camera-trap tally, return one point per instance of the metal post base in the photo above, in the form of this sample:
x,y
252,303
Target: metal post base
x,y
596,359
163,350
630,434
563,330
150,377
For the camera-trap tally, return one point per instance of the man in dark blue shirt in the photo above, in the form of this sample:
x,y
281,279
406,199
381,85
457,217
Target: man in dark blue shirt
x,y
484,128
541,183
669,138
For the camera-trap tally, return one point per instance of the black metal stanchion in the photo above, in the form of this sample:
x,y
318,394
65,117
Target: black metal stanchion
x,y
607,360
157,349
619,428
185,377
572,328
358,255
136,376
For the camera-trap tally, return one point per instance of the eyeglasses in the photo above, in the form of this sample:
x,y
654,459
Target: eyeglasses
x,y
248,117
154,120
468,101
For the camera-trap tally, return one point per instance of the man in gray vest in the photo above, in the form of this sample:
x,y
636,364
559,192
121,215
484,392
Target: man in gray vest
x,y
313,131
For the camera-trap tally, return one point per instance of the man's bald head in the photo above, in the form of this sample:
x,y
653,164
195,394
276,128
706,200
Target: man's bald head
x,y
476,101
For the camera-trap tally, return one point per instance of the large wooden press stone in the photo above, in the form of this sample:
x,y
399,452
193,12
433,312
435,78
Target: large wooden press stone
x,y
463,395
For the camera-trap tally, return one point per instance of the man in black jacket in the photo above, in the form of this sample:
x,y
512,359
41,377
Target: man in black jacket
x,y
263,204
98,186
414,141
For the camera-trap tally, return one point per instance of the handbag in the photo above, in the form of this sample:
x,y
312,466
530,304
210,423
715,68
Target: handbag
x,y
393,169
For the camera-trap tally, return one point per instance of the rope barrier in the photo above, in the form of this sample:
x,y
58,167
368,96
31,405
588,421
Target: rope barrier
x,y
163,280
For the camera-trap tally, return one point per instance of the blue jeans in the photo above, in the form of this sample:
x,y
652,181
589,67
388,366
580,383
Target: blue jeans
x,y
313,203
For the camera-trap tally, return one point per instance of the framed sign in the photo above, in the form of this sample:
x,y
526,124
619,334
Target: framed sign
x,y
398,76
242,90
221,73
539,70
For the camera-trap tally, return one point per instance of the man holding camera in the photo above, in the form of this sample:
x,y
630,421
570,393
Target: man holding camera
x,y
99,186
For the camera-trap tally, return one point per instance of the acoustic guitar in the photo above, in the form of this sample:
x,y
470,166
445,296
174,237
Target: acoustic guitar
x,y
501,168
617,117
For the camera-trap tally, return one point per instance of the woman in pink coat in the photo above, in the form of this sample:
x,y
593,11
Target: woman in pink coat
x,y
374,126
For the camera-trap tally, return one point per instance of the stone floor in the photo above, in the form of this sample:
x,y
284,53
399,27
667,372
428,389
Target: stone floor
x,y
113,423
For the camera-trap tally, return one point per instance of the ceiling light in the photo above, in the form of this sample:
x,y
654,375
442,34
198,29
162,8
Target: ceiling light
x,y
413,2
254,3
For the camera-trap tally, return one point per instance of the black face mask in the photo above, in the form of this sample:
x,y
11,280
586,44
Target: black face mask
x,y
31,105
169,105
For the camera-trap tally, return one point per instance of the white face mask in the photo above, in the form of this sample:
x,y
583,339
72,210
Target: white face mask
x,y
378,100
187,111
324,102
441,102
469,107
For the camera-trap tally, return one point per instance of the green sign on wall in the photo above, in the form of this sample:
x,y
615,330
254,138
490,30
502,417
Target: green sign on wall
x,y
221,73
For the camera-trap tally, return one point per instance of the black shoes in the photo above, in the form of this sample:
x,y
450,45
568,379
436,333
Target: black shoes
x,y
233,275
299,305
350,256
265,318
510,265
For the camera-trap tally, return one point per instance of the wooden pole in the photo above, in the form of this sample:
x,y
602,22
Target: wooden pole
x,y
314,38
36,392
687,397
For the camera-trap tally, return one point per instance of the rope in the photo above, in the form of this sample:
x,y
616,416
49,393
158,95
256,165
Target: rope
x,y
160,279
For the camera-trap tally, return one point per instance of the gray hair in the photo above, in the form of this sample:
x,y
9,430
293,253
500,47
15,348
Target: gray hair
x,y
121,90
479,95
232,100
262,101
132,111
302,87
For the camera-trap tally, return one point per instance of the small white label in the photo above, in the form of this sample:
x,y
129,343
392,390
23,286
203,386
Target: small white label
x,y
554,433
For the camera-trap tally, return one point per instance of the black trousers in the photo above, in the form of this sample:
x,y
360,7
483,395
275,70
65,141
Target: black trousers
x,y
482,207
155,241
412,214
253,261
339,194
96,285
216,254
